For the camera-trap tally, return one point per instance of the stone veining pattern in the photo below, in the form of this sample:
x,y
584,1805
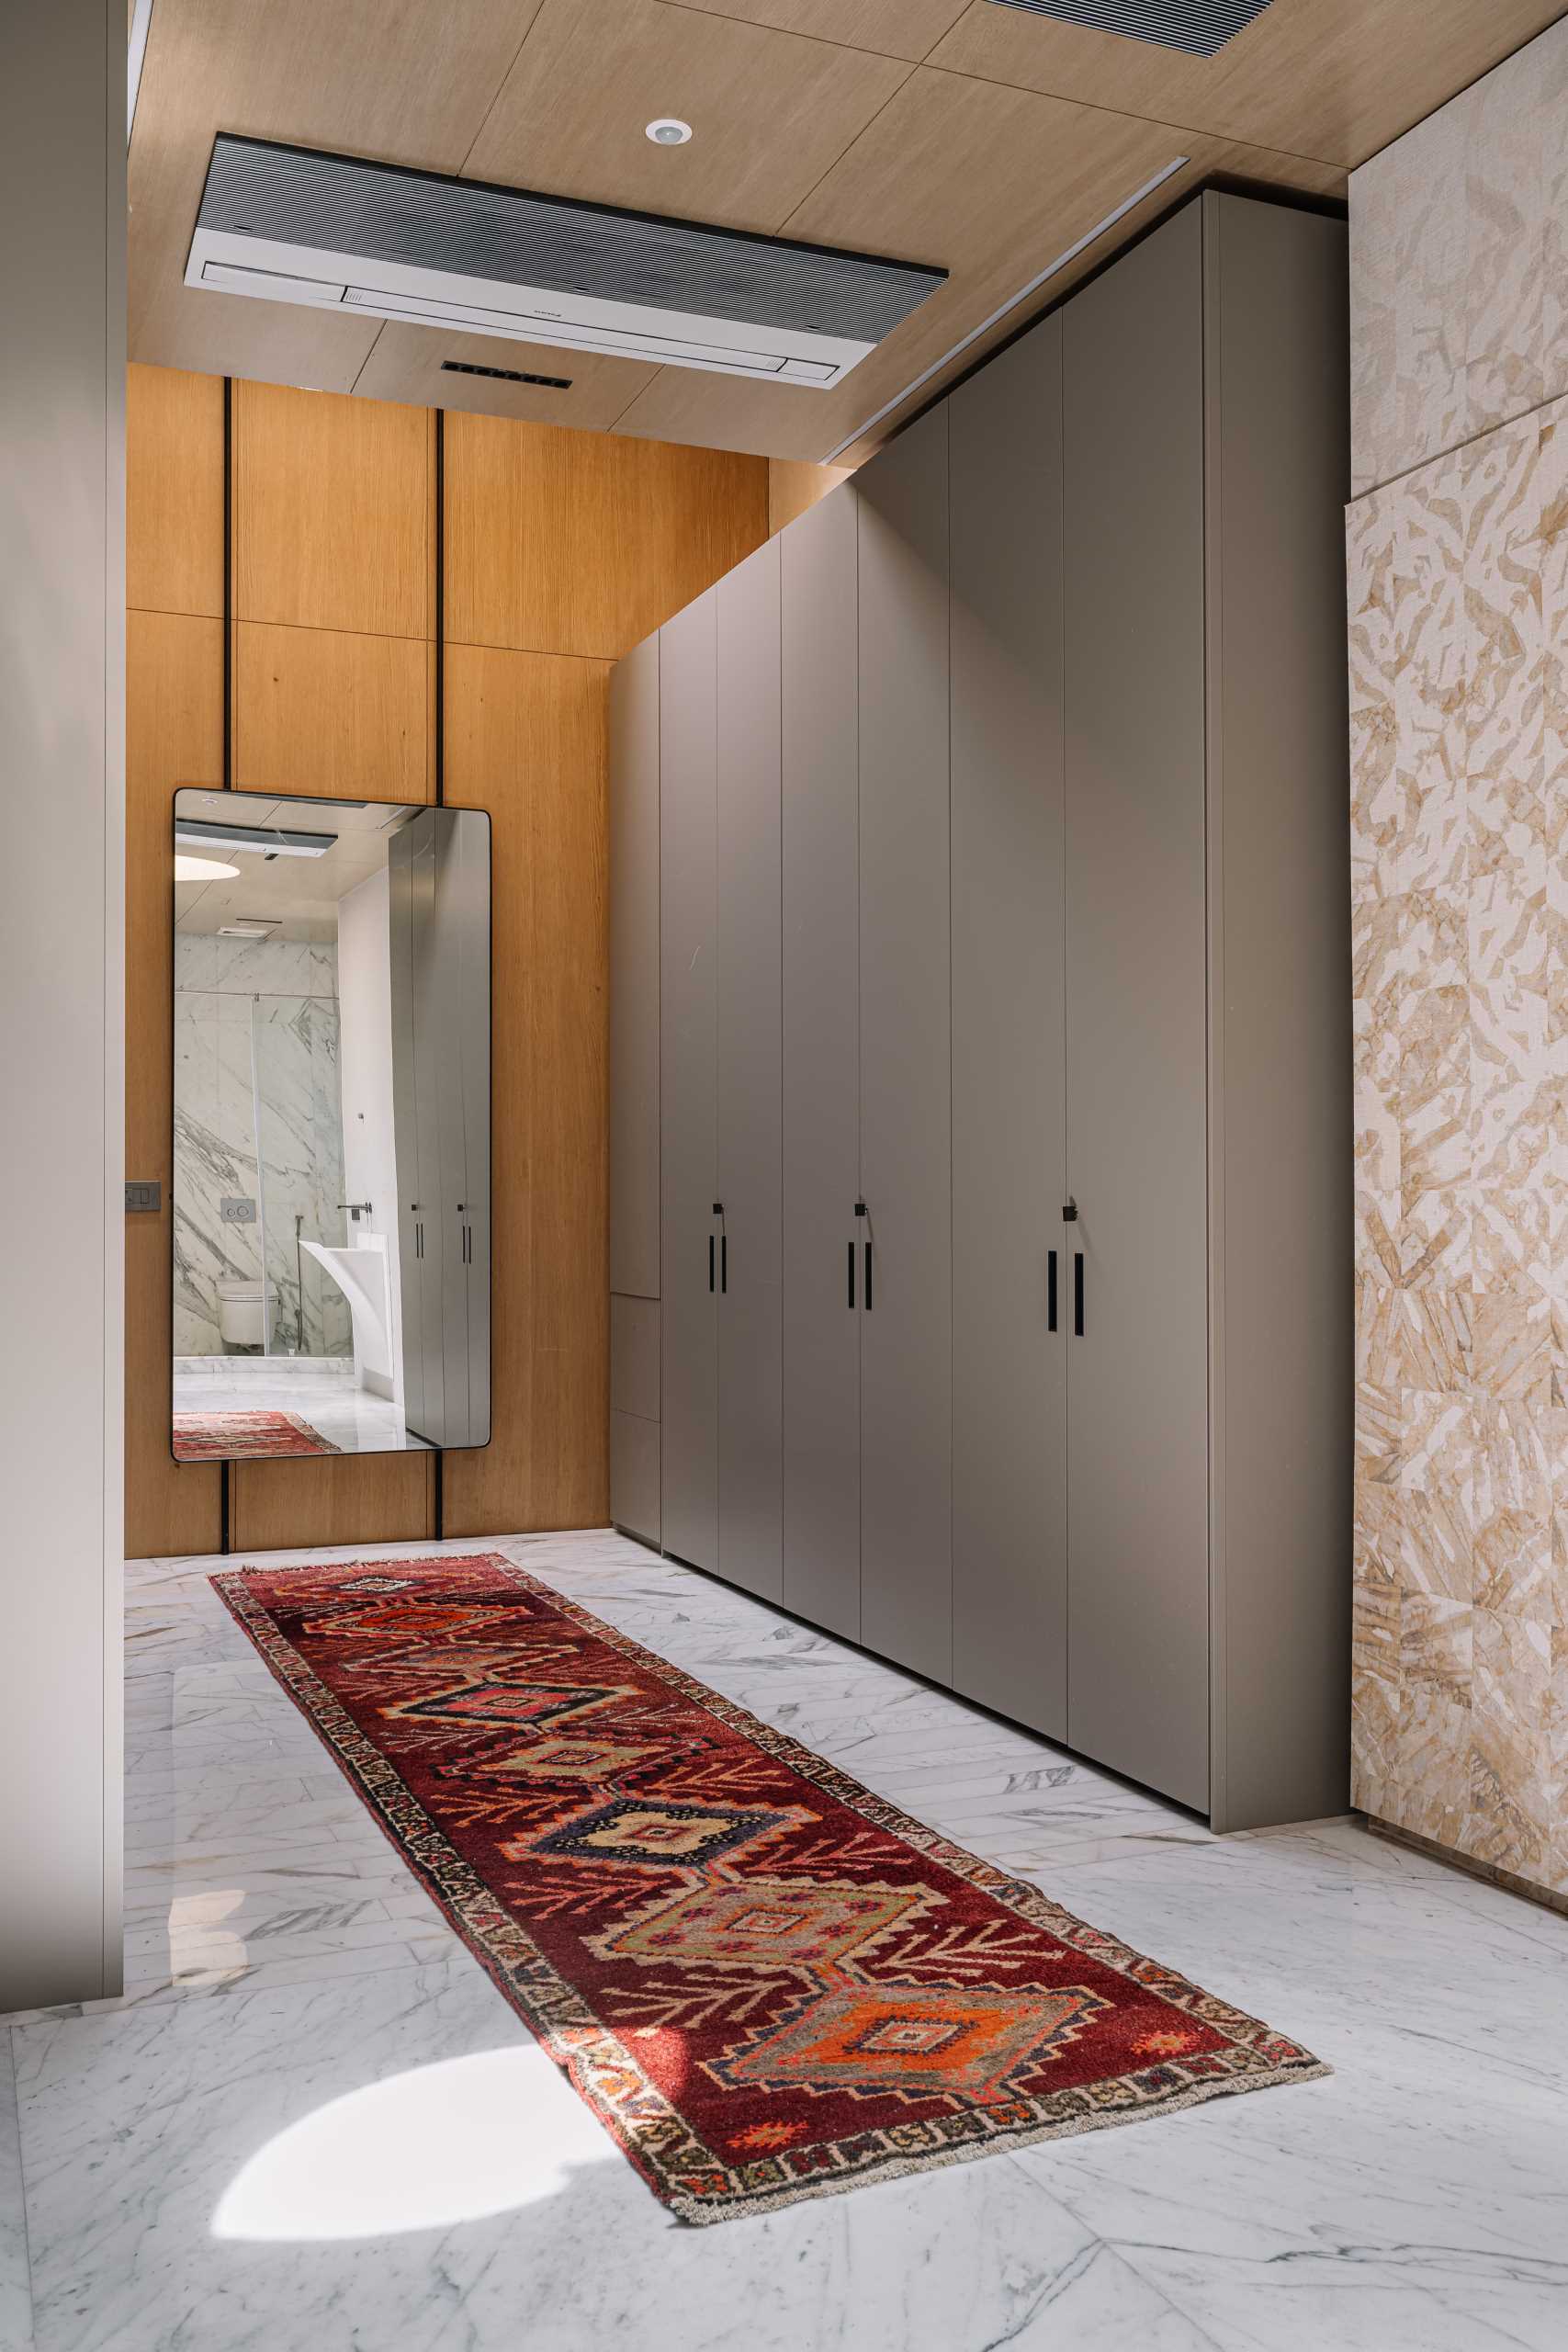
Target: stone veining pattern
x,y
270,1002
1458,593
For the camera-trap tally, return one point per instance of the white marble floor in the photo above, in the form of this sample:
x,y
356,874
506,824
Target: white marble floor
x,y
314,2126
320,1391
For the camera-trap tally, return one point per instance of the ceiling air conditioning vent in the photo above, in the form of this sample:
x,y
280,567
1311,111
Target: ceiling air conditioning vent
x,y
1202,27
289,225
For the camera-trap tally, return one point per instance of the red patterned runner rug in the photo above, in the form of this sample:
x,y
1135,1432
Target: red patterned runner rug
x,y
246,1437
766,1983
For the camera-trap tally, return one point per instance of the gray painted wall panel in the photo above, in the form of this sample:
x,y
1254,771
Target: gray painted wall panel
x,y
1009,1488
688,1118
818,561
906,1072
751,1532
63,692
1138,1626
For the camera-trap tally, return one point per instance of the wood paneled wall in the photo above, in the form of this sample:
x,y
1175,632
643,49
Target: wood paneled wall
x,y
562,550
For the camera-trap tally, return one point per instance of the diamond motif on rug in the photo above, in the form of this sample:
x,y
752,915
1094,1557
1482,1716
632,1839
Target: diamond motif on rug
x,y
780,1923
637,1830
910,2040
767,1983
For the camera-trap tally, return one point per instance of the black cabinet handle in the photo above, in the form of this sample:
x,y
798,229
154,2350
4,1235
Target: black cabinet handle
x,y
1050,1290
851,1258
868,1278
724,1261
710,1261
1077,1293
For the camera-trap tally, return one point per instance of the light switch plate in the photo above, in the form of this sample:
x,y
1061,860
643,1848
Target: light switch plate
x,y
142,1200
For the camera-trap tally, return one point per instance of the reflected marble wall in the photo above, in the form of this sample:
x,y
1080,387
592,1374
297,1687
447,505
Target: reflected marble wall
x,y
292,988
1457,594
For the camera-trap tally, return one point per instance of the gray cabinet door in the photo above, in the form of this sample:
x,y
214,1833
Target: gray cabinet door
x,y
1009,1501
1137,1413
471,901
688,993
405,1124
819,563
906,1067
634,972
749,1047
429,1046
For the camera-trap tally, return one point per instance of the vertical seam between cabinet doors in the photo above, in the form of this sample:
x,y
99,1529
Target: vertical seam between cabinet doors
x,y
1067,1169
1211,301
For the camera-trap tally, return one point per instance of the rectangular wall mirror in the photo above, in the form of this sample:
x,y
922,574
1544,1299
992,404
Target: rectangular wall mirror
x,y
331,1236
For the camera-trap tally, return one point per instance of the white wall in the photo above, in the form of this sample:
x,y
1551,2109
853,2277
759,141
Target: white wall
x,y
62,1017
365,1015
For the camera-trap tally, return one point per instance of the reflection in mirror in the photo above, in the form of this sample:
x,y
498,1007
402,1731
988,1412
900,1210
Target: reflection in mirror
x,y
331,1239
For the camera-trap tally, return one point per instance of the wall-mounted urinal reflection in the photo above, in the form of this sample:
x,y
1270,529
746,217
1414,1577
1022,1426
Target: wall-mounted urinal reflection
x,y
331,1194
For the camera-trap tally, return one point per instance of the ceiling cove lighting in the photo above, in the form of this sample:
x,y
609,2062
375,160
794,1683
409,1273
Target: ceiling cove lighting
x,y
1198,28
1128,205
289,224
668,131
202,869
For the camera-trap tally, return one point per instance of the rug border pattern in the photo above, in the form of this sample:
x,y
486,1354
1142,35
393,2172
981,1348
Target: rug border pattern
x,y
652,2134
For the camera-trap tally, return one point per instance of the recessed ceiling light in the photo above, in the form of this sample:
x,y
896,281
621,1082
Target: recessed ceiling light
x,y
202,869
669,132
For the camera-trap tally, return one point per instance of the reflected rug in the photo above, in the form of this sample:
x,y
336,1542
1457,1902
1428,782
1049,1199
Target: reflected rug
x,y
767,1983
246,1437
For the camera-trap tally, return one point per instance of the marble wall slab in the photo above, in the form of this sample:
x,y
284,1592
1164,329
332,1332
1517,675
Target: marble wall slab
x,y
250,1011
1459,262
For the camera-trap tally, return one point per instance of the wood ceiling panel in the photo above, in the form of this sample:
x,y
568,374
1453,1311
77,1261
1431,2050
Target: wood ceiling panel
x,y
406,84
1335,79
772,112
994,183
406,366
909,29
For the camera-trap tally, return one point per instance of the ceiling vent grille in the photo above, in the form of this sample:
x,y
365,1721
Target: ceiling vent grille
x,y
1199,27
285,224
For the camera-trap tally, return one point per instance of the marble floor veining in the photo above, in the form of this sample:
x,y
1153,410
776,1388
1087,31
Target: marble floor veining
x,y
326,1395
313,2125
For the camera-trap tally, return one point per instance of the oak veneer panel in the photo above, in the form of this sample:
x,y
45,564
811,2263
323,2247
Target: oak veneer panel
x,y
579,543
526,740
908,28
345,1498
794,488
333,512
771,111
174,735
174,491
1335,79
316,711
408,85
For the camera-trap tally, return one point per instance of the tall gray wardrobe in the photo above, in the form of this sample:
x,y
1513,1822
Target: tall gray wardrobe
x,y
980,1127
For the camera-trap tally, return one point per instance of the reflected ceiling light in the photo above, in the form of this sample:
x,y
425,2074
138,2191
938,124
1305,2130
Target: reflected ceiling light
x,y
201,869
668,131
428,2149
